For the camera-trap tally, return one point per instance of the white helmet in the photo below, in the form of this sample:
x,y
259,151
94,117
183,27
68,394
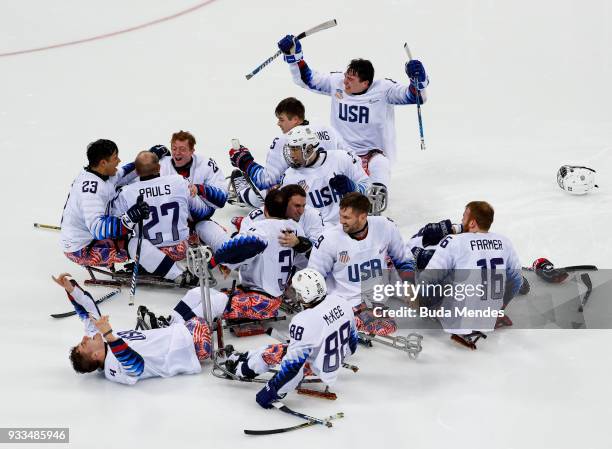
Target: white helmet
x,y
309,285
300,137
575,179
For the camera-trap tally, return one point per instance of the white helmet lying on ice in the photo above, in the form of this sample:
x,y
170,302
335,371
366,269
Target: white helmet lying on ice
x,y
309,286
576,179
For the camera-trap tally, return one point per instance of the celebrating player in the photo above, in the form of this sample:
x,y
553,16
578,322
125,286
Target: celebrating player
x,y
165,232
129,355
361,108
208,179
262,262
479,258
354,256
90,235
307,216
290,113
321,336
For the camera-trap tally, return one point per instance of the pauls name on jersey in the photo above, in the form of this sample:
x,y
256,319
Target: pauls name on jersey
x,y
153,191
353,113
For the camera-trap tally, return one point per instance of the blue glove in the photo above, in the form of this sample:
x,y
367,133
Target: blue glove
x,y
160,151
342,184
138,212
416,71
266,396
433,233
291,48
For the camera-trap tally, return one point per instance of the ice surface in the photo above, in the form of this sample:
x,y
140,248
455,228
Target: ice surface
x,y
518,88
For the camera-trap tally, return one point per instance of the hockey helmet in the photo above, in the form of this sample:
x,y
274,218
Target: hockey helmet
x,y
309,285
576,180
305,139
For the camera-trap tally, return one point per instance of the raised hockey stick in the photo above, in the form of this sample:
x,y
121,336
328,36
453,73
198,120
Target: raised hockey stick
x,y
302,35
97,301
289,429
46,226
136,259
418,99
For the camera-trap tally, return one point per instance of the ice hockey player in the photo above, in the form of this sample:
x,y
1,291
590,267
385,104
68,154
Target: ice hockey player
x,y
361,107
321,337
130,355
478,258
324,175
90,235
263,264
208,179
170,200
356,255
290,113
307,216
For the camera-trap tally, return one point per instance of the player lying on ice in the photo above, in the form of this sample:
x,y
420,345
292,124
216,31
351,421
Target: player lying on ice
x,y
126,356
321,336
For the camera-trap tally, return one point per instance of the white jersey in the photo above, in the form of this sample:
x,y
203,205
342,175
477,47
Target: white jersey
x,y
152,353
269,270
276,165
86,212
168,198
310,221
365,121
353,267
165,352
321,336
484,259
204,172
314,179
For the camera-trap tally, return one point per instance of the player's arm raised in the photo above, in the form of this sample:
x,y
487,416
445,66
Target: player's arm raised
x,y
303,75
407,94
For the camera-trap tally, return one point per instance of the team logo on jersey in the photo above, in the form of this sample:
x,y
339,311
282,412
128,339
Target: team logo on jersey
x,y
339,95
303,185
343,257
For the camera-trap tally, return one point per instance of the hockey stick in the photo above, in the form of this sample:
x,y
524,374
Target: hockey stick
x,y
302,35
137,258
289,429
46,226
97,301
570,268
418,99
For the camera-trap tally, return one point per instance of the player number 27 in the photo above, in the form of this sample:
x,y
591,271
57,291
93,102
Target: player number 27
x,y
154,219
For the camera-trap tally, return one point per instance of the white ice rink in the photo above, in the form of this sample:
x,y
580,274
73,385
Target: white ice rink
x,y
518,88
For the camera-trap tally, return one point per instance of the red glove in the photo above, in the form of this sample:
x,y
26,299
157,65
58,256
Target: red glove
x,y
547,271
241,158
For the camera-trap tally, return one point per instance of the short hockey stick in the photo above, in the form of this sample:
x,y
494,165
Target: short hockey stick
x,y
46,226
302,35
418,99
137,258
289,429
97,301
